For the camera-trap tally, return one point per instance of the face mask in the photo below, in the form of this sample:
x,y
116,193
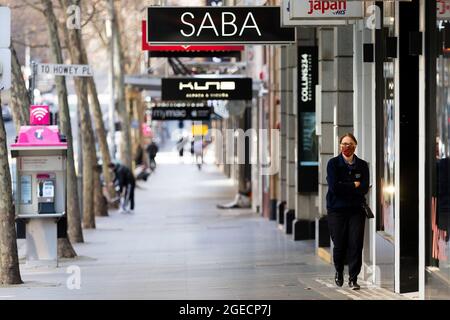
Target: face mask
x,y
348,151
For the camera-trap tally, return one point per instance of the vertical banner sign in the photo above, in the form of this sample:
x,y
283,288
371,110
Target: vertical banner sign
x,y
308,156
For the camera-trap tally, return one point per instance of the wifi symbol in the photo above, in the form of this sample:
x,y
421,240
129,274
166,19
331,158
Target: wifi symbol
x,y
39,113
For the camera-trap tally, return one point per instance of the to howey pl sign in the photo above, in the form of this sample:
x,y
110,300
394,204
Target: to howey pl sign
x,y
70,70
218,25
206,89
324,9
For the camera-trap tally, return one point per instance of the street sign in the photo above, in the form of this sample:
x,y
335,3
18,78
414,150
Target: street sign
x,y
206,89
5,69
326,9
5,27
217,25
67,70
185,113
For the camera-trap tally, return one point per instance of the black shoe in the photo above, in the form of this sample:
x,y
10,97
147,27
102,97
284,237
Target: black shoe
x,y
354,284
339,279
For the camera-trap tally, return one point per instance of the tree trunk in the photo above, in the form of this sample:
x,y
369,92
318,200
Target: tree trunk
x,y
9,260
89,155
119,83
20,100
74,231
101,136
65,249
74,43
100,205
79,56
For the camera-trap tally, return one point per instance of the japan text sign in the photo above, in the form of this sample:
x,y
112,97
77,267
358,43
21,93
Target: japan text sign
x,y
326,9
218,25
69,70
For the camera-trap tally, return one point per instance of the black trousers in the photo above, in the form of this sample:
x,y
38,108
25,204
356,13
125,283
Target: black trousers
x,y
347,233
129,195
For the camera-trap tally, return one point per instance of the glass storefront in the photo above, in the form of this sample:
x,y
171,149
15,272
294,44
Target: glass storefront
x,y
438,269
385,42
388,174
387,187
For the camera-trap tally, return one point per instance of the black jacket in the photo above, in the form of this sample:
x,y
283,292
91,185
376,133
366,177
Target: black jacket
x,y
123,177
342,194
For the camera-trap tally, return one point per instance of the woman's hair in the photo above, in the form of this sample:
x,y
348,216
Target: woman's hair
x,y
350,135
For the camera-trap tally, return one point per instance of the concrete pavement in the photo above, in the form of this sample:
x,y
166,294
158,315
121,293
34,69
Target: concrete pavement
x,y
178,245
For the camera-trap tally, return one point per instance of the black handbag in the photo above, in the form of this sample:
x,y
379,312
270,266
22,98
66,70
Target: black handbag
x,y
368,212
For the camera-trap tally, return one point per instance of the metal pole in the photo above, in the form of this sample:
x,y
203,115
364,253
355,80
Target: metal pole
x,y
33,81
110,30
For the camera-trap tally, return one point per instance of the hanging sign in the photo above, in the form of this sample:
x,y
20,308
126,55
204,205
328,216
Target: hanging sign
x,y
326,9
206,89
217,25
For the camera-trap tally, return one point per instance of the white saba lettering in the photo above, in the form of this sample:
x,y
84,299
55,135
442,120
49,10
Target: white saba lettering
x,y
231,23
187,23
211,26
228,26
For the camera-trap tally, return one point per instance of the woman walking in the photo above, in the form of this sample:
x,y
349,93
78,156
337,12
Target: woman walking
x,y
348,183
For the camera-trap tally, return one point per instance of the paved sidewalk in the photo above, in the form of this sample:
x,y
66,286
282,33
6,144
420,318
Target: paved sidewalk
x,y
178,245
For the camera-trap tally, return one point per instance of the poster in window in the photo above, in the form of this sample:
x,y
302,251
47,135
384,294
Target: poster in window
x,y
25,190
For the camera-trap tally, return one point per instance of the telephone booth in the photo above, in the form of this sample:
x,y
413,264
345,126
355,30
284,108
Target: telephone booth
x,y
40,192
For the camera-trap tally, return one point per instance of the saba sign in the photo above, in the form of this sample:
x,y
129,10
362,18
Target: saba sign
x,y
218,25
326,9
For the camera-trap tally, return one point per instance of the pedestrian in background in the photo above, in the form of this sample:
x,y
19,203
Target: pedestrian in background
x,y
348,183
152,151
125,183
197,148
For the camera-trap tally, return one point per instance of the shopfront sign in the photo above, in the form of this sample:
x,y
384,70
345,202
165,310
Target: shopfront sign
x,y
324,9
170,50
286,20
179,104
308,71
181,113
216,25
206,89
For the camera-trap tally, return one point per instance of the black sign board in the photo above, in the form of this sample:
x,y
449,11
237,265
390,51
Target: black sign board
x,y
308,164
218,25
184,113
206,89
195,54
